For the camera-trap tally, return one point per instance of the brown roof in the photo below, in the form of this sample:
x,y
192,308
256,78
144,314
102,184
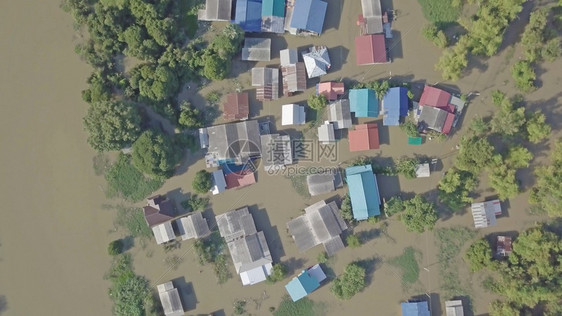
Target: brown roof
x,y
237,106
159,210
294,78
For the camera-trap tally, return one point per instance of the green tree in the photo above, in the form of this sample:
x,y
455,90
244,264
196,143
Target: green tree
x,y
499,308
455,187
552,49
350,283
419,214
410,128
453,61
154,83
112,125
479,255
537,128
100,89
475,153
436,36
502,179
115,247
524,76
215,67
407,167
202,182
317,102
509,121
190,116
195,203
353,241
547,192
278,273
533,37
393,206
479,126
228,42
518,157
154,154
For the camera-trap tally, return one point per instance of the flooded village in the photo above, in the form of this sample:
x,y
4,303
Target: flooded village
x,y
281,172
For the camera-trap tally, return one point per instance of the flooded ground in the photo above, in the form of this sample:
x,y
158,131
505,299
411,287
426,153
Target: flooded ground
x,y
54,233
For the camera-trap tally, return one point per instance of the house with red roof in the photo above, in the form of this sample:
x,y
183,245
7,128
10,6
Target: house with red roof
x,y
364,137
237,106
436,110
370,49
435,97
240,179
331,90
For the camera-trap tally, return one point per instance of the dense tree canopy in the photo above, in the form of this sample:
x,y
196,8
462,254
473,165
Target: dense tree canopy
x,y
455,187
112,125
350,283
155,154
537,128
202,182
190,116
475,154
547,192
479,255
524,76
317,102
419,215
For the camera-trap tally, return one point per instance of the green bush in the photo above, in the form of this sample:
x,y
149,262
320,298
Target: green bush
x,y
322,257
278,273
455,187
202,182
346,210
537,128
239,307
393,206
195,203
410,128
190,116
317,102
524,76
407,167
441,12
419,214
126,181
350,283
115,247
353,241
479,255
154,154
302,307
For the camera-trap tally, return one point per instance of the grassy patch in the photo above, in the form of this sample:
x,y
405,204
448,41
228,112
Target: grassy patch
x,y
299,184
126,181
441,12
450,242
101,164
408,264
132,219
302,307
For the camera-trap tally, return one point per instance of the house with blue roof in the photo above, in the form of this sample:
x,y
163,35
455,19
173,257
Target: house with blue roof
x,y
395,105
363,192
364,102
415,309
305,283
309,15
248,15
273,16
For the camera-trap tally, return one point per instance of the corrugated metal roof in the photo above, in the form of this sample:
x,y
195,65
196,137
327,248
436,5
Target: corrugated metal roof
x,y
317,61
433,118
163,232
301,286
323,183
326,133
256,49
372,14
363,102
216,10
364,137
395,104
193,226
288,57
454,308
248,15
294,78
276,151
339,114
266,80
435,97
237,141
273,8
170,299
484,213
237,106
309,15
370,49
363,192
331,90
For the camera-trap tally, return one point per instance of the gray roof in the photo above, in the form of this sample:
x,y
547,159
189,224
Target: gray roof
x,y
256,49
340,114
288,57
326,133
484,213
163,232
317,61
236,224
454,308
276,151
321,224
267,81
216,10
237,140
193,226
422,170
433,118
219,182
249,252
294,78
170,299
322,183
372,13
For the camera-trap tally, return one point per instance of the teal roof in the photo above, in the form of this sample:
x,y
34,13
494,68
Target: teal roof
x,y
364,102
363,192
301,286
273,8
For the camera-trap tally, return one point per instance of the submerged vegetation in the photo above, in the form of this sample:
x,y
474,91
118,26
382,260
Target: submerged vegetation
x,y
450,242
126,181
350,283
302,307
408,264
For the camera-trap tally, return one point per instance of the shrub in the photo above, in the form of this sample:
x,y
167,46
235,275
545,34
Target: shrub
x,y
115,247
410,128
346,210
419,214
239,307
524,76
278,273
407,167
190,116
195,203
479,255
353,241
393,206
317,102
322,257
537,128
350,283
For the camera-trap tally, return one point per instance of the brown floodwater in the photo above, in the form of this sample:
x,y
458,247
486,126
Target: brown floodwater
x,y
53,233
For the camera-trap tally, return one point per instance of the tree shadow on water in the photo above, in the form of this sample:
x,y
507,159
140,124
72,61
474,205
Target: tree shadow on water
x,y
3,304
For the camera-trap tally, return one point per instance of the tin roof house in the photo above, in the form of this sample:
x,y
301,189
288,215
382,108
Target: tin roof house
x,y
364,137
266,80
339,113
193,226
331,90
216,10
454,308
256,49
293,72
273,16
306,282
370,49
363,103
395,105
504,246
248,247
317,61
372,16
232,142
321,224
308,15
170,299
237,107
484,213
293,114
326,133
363,192
322,183
158,214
